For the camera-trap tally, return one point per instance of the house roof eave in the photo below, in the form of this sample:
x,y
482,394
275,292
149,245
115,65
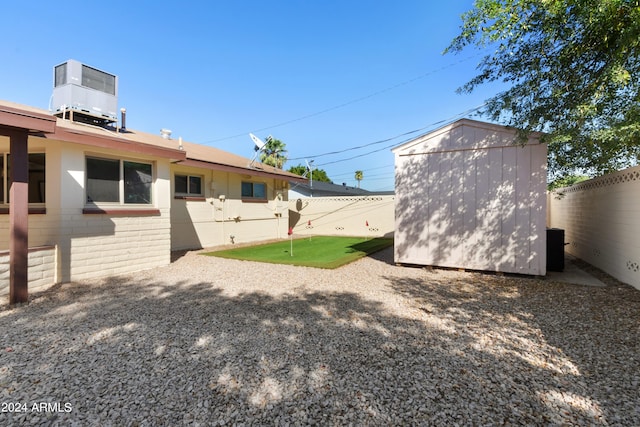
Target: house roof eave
x,y
115,143
285,176
34,122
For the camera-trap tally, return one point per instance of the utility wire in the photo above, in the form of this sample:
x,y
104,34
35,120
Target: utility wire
x,y
390,165
364,154
429,126
353,101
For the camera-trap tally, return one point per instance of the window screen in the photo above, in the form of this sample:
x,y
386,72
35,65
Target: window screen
x,y
103,180
195,185
36,178
247,189
259,191
2,187
181,184
138,178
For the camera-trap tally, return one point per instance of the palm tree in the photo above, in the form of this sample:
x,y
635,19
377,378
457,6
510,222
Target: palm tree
x,y
359,177
274,153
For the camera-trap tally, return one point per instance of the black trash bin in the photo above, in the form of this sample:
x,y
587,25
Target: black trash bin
x,y
555,249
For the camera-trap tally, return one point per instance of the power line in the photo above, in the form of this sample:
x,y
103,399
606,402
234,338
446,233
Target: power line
x,y
429,126
353,101
364,154
366,170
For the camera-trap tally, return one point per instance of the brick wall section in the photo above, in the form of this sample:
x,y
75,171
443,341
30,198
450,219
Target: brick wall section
x,y
103,244
42,269
601,219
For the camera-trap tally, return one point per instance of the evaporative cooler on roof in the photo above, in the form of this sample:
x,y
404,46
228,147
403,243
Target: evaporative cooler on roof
x,y
84,93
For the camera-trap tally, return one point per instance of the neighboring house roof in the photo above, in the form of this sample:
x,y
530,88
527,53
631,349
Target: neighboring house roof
x,y
143,143
329,189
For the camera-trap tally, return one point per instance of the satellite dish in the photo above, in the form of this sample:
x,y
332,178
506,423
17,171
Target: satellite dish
x,y
259,143
259,147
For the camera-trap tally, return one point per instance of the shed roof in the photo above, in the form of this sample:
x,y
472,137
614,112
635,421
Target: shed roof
x,y
463,134
145,143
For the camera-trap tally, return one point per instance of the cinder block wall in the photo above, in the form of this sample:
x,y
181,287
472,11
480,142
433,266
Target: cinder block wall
x,y
601,219
348,216
42,269
105,245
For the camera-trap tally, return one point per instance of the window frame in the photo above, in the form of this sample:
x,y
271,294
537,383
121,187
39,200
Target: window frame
x,y
252,197
121,202
188,193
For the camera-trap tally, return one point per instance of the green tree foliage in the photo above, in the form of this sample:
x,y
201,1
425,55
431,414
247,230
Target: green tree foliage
x,y
573,67
359,176
566,181
318,174
274,153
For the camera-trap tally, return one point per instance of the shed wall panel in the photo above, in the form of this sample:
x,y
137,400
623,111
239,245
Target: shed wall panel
x,y
484,206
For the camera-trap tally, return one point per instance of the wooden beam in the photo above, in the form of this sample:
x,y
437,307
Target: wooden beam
x,y
19,218
26,119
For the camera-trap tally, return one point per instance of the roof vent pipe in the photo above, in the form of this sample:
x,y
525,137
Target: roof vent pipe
x,y
123,121
166,133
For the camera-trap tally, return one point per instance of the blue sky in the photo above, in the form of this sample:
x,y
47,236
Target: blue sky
x,y
321,76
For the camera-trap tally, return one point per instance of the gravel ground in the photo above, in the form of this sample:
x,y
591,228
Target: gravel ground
x,y
209,341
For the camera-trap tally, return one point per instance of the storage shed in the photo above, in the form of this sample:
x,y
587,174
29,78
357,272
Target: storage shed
x,y
469,196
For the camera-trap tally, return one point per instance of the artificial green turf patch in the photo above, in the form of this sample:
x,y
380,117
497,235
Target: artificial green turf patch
x,y
317,251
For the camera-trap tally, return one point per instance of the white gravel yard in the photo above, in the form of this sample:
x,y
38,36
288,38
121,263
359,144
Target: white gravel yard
x,y
211,341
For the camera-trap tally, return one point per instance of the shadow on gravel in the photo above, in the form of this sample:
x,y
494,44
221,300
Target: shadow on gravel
x,y
569,353
128,352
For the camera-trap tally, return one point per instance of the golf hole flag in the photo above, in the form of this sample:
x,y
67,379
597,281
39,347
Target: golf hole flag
x,y
290,241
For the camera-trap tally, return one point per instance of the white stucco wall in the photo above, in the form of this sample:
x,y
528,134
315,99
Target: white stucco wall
x,y
210,221
94,245
369,216
42,264
467,197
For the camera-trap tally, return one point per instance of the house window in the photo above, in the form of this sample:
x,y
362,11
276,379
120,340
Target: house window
x,y
254,190
3,185
118,181
36,178
187,184
138,178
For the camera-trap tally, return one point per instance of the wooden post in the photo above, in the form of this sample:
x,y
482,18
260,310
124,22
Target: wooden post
x,y
19,218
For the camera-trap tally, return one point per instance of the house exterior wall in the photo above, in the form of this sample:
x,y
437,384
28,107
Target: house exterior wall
x,y
94,245
343,216
601,219
209,220
467,197
125,242
42,264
